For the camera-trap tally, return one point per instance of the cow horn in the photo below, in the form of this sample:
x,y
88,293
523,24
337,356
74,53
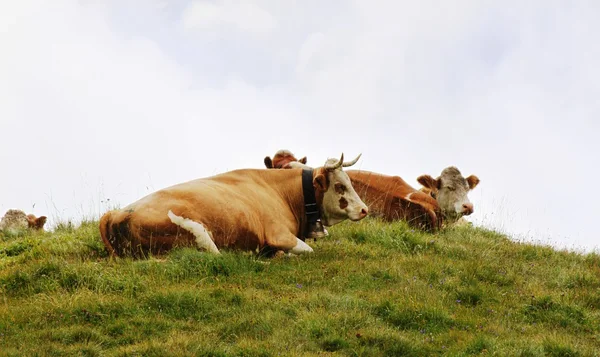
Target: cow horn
x,y
336,165
348,164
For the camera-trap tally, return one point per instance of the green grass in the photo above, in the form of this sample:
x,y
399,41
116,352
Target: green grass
x,y
370,289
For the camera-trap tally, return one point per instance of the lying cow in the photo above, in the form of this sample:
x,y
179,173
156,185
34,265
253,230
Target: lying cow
x,y
16,220
245,209
393,199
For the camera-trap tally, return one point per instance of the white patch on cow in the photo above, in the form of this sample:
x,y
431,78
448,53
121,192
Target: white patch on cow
x,y
458,207
408,196
203,239
301,248
298,165
332,213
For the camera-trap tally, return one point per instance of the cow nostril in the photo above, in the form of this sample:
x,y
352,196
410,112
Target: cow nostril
x,y
468,208
364,212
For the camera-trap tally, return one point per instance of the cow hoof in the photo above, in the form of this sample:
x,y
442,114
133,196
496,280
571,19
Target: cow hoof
x,y
279,254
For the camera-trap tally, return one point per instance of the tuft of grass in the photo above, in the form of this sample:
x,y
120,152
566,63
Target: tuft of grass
x,y
553,349
370,289
545,310
418,319
469,296
479,345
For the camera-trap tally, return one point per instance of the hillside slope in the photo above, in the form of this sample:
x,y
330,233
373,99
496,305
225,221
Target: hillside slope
x,y
370,289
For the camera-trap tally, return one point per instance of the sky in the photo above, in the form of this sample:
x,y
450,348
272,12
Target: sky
x,y
104,102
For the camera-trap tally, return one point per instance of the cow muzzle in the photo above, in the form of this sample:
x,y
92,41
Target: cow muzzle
x,y
359,214
467,209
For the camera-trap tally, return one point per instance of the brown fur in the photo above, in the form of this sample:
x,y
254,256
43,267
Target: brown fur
x,y
472,181
429,183
245,209
36,223
391,198
343,203
428,191
17,220
282,159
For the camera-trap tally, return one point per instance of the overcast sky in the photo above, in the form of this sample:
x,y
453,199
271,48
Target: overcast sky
x,y
107,101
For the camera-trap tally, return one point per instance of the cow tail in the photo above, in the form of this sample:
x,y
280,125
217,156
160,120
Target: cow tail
x,y
106,232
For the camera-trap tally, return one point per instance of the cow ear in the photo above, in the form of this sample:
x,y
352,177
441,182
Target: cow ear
x,y
473,181
320,182
429,182
268,162
40,221
31,221
302,160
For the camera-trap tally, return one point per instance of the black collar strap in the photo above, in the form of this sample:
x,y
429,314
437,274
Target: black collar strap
x,y
310,200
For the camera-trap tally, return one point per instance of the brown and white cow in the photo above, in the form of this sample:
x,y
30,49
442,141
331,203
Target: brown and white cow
x,y
245,209
450,190
391,198
17,220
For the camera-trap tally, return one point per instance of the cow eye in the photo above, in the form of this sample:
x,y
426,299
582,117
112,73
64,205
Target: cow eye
x,y
339,188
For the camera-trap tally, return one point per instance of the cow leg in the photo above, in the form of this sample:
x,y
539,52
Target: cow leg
x,y
286,241
300,248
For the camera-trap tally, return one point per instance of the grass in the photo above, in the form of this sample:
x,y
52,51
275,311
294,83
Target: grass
x,y
370,289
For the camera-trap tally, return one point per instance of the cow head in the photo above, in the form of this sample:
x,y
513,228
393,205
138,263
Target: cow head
x,y
339,200
284,159
15,219
450,190
36,223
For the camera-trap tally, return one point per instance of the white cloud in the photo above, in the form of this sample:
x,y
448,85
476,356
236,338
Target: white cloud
x,y
92,115
244,15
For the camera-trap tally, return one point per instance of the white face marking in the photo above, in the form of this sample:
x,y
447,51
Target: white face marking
x,y
203,240
452,196
353,207
301,248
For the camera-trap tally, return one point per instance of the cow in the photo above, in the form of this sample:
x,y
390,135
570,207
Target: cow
x,y
250,209
16,220
450,190
284,159
443,201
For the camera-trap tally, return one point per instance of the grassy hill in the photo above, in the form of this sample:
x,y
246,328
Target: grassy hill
x,y
370,289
